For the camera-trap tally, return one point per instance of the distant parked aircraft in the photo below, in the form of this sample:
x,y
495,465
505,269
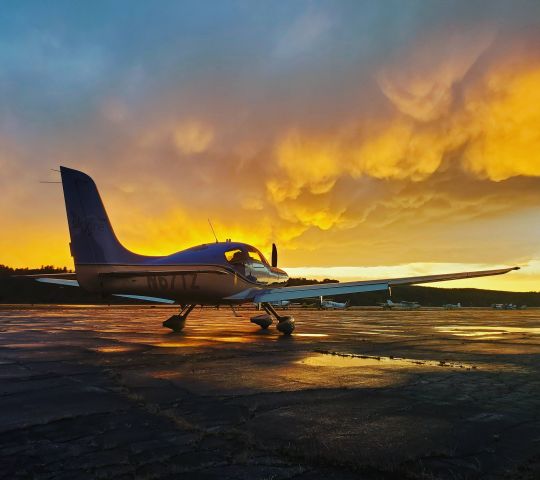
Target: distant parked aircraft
x,y
504,306
226,273
452,306
331,305
390,305
280,304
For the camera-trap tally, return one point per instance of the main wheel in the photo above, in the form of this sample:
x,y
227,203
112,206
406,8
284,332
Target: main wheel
x,y
286,325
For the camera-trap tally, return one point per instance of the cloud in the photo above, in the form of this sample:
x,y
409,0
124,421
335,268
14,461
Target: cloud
x,y
305,32
192,137
505,124
423,85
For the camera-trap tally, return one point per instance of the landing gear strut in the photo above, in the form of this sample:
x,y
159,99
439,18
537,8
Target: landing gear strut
x,y
177,322
285,323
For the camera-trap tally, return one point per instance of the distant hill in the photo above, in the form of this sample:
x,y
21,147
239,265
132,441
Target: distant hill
x,y
20,290
436,297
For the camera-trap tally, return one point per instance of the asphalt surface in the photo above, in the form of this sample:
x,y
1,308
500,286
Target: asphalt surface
x,y
106,392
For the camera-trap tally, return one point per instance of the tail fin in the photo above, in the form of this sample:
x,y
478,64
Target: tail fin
x,y
92,237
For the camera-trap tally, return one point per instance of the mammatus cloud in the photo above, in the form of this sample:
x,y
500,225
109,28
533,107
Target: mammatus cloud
x,y
424,84
491,132
505,128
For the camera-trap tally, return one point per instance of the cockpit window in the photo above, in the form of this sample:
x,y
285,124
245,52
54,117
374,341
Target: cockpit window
x,y
255,256
238,255
235,256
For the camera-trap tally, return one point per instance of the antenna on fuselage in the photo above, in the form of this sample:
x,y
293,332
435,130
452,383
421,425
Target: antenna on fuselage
x,y
215,236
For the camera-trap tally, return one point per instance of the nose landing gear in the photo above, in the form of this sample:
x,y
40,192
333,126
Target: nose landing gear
x,y
285,323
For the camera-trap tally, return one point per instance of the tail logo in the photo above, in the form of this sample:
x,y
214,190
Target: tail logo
x,y
87,226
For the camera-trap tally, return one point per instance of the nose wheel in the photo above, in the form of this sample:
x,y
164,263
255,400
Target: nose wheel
x,y
177,322
285,322
264,320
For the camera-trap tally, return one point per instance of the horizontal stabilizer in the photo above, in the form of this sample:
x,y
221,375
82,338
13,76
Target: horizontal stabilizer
x,y
74,283
67,275
145,298
58,281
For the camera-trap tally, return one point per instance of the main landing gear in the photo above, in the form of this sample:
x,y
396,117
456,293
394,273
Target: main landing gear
x,y
177,322
285,323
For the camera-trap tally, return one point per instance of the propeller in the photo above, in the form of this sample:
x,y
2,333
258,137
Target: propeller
x,y
274,255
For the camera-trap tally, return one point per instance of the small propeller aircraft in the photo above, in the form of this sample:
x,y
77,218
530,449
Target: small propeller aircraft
x,y
331,305
452,306
221,273
390,305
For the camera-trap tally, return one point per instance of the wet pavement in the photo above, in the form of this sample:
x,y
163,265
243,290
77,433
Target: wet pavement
x,y
106,392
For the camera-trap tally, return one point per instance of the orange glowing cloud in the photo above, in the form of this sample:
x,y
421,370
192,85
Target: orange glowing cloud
x,y
192,137
504,124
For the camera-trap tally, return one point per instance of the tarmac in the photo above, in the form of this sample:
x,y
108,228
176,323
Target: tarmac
x,y
107,392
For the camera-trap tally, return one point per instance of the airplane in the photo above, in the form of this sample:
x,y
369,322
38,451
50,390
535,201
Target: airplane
x,y
280,303
452,306
504,306
389,305
331,305
220,273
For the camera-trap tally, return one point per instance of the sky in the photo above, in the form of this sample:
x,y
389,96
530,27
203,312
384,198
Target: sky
x,y
365,138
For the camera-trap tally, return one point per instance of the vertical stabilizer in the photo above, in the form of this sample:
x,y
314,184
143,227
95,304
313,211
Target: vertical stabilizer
x,y
92,237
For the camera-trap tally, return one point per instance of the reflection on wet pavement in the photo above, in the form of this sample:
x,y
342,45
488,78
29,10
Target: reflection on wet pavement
x,y
331,359
484,330
412,394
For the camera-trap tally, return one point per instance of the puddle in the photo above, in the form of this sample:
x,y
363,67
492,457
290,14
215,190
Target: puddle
x,y
115,349
27,345
195,340
316,335
385,333
165,374
186,343
344,360
486,332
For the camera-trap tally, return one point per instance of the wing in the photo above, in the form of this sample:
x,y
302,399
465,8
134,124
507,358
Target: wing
x,y
306,291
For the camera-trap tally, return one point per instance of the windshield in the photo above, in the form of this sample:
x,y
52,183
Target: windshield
x,y
235,256
240,256
255,256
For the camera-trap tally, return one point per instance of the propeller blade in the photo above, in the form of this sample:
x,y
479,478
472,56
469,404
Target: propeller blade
x,y
274,255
